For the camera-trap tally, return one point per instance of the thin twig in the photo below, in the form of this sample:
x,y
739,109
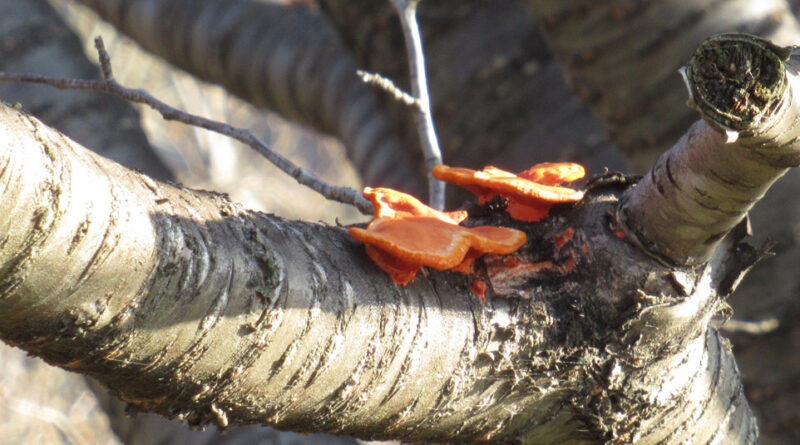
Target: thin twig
x,y
752,327
108,85
388,86
407,12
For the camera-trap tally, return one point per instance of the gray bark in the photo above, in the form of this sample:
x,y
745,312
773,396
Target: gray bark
x,y
621,57
668,32
186,305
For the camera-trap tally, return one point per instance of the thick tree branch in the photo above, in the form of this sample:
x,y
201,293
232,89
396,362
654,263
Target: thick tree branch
x,y
705,185
186,305
621,58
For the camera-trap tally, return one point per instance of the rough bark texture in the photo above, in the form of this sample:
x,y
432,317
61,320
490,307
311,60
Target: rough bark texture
x,y
765,373
186,305
288,59
609,47
747,90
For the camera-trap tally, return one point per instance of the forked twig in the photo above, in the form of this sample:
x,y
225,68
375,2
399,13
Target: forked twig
x,y
108,85
407,12
388,86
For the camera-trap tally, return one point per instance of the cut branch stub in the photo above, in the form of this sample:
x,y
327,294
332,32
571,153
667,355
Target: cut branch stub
x,y
736,80
748,93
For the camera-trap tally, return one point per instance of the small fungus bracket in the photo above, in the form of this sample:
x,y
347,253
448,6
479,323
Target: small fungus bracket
x,y
406,235
530,194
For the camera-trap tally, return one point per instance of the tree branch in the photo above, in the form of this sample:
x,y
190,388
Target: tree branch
x,y
287,59
37,40
423,116
705,185
493,51
621,59
346,195
189,306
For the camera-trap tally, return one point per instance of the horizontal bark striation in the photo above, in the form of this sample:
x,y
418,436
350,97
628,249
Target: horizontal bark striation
x,y
621,57
652,103
188,306
288,59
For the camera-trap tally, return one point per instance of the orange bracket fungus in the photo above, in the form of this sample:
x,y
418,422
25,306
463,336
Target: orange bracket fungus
x,y
405,235
530,194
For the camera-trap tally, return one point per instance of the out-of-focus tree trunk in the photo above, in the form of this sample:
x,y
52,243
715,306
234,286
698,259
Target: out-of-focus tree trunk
x,y
36,40
286,58
486,57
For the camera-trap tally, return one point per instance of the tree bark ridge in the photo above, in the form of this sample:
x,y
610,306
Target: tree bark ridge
x,y
188,306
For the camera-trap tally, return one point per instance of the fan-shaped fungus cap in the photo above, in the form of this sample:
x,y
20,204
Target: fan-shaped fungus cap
x,y
530,194
405,235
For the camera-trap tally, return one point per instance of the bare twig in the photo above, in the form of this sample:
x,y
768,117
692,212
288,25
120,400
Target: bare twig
x,y
388,86
108,85
407,12
752,327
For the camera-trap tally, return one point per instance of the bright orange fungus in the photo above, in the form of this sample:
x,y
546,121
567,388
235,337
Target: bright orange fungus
x,y
405,235
530,194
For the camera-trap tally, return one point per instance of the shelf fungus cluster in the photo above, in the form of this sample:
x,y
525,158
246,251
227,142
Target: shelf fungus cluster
x,y
406,235
529,194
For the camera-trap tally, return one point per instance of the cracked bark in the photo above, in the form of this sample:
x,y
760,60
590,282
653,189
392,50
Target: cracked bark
x,y
36,40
